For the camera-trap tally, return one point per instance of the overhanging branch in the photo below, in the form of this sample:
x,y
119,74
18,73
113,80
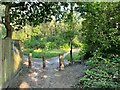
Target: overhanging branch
x,y
13,4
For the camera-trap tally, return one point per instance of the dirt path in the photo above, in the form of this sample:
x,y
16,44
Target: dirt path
x,y
50,77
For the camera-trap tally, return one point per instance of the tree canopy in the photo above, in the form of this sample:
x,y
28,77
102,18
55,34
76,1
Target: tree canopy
x,y
17,14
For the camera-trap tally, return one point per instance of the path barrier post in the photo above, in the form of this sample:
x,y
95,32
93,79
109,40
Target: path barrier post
x,y
61,62
71,59
44,61
30,60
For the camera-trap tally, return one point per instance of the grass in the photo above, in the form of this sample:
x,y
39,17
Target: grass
x,y
48,53
75,56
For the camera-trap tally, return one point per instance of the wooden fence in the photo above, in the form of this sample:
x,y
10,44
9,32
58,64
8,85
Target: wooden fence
x,y
0,64
11,61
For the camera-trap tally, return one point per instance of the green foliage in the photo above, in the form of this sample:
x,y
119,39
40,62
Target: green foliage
x,y
83,49
39,53
65,47
100,74
50,45
27,51
24,34
101,37
100,30
75,55
50,36
76,42
32,12
2,31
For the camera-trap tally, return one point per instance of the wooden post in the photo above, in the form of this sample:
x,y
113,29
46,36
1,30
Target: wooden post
x,y
82,59
44,61
30,60
61,62
71,50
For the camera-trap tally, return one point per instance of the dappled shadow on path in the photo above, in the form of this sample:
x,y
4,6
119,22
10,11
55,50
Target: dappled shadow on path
x,y
50,77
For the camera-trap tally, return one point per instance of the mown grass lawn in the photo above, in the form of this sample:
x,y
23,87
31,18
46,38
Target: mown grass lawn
x,y
48,53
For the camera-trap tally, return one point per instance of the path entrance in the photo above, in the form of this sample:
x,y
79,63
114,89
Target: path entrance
x,y
50,77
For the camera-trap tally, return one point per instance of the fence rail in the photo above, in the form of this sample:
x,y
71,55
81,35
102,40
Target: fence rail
x,y
11,60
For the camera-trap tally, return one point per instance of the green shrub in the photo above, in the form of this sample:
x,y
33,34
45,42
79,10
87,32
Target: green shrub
x,y
75,56
27,51
76,42
50,45
65,47
101,74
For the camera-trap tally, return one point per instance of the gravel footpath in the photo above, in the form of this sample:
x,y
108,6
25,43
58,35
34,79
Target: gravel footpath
x,y
50,77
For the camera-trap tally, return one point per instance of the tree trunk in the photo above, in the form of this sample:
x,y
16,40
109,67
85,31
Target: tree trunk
x,y
7,22
9,33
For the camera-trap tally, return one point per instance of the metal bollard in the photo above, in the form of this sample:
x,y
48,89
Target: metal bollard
x,y
61,62
44,62
30,60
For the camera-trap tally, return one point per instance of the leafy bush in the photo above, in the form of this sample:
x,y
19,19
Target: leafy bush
x,y
65,47
100,74
76,42
27,51
75,55
50,45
